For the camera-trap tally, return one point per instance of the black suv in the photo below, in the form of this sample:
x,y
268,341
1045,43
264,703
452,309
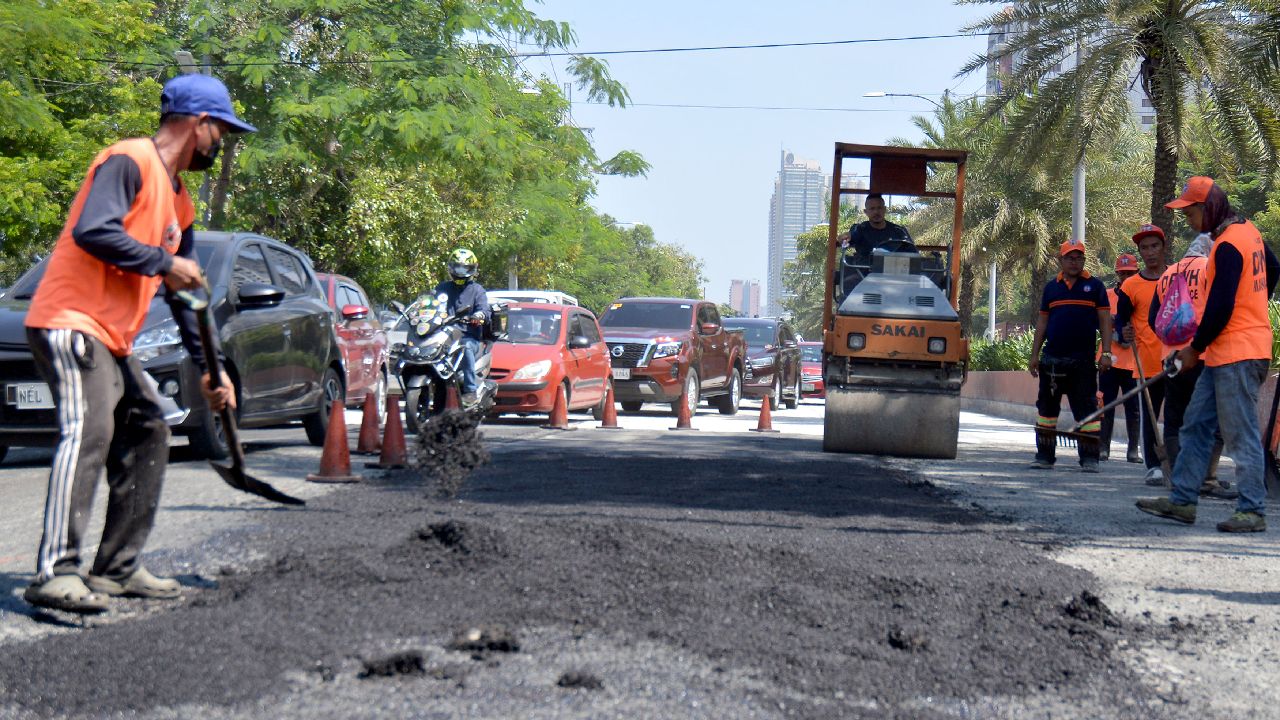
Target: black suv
x,y
274,325
773,359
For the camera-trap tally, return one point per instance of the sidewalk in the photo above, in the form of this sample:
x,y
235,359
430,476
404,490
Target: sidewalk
x,y
1223,589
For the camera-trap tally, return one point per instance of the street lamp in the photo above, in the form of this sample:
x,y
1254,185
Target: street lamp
x,y
881,93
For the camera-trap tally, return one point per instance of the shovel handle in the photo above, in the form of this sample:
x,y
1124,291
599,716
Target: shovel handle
x,y
204,316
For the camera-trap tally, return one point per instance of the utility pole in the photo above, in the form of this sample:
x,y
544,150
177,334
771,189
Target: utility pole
x,y
991,304
1077,178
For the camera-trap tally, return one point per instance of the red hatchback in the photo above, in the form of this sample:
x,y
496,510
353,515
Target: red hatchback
x,y
811,382
549,347
361,338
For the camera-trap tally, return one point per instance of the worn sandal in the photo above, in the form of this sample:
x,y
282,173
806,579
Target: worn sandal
x,y
140,584
67,593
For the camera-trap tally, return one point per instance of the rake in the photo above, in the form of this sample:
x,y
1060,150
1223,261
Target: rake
x,y
1073,436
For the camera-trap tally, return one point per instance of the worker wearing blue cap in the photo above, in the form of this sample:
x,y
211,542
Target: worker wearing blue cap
x,y
129,230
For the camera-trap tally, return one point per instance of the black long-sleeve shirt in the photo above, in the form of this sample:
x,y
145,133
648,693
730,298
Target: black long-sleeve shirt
x,y
100,232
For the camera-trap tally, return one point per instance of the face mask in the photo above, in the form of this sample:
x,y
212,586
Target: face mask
x,y
204,160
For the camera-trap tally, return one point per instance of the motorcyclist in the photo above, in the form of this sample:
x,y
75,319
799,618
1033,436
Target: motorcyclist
x,y
464,292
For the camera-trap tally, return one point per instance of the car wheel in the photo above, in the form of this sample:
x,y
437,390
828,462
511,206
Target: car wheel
x,y
795,395
597,412
631,405
380,392
727,404
690,395
317,423
775,395
209,441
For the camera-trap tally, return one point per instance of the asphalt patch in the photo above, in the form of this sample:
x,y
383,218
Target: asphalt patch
x,y
407,662
577,679
493,638
449,447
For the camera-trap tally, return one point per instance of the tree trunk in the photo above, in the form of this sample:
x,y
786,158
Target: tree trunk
x,y
966,296
1040,275
1165,175
218,199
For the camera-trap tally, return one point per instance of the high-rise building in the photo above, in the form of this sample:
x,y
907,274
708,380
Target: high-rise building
x,y
800,197
1008,63
744,297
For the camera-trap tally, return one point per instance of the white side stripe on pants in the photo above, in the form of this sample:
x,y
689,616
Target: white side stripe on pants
x,y
62,475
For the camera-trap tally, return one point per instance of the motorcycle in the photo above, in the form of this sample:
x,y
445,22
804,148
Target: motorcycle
x,y
426,352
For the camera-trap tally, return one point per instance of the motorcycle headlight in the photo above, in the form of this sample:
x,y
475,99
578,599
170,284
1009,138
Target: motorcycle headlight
x,y
533,371
159,340
666,349
433,344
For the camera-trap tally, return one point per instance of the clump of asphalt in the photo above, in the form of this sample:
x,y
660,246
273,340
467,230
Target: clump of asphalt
x,y
485,640
817,585
579,679
407,662
449,447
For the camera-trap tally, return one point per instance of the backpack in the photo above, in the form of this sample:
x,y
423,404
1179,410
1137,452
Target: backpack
x,y
1176,323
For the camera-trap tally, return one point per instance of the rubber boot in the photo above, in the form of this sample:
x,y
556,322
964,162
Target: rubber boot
x,y
1134,430
1046,450
1108,425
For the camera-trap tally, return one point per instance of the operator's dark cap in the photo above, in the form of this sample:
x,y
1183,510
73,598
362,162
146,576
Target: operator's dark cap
x,y
193,94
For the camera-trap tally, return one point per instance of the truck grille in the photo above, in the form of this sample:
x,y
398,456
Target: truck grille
x,y
629,356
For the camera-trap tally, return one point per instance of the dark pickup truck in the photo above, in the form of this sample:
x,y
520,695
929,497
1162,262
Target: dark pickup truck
x,y
668,350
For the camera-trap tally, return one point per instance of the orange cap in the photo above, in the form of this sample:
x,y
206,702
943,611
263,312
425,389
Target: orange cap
x,y
1126,263
1195,191
1146,230
1070,246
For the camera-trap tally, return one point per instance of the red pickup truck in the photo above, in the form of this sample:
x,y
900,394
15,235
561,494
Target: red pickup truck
x,y
668,350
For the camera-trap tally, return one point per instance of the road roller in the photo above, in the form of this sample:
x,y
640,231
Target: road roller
x,y
894,354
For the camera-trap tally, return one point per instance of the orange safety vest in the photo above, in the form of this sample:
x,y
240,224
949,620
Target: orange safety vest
x,y
1121,357
1194,270
81,292
1150,350
1247,335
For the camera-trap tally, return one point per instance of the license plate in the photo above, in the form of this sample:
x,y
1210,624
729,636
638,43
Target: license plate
x,y
621,373
807,387
29,396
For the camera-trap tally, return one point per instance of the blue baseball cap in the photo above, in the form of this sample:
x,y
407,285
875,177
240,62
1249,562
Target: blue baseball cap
x,y
193,94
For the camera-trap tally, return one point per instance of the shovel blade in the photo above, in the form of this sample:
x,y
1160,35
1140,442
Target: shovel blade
x,y
240,480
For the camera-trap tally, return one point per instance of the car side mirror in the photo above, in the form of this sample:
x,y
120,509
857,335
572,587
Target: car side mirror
x,y
259,295
354,312
790,344
710,328
579,342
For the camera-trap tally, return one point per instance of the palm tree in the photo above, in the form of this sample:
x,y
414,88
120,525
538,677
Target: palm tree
x,y
1219,54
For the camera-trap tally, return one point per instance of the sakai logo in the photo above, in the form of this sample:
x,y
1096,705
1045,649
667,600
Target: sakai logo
x,y
898,330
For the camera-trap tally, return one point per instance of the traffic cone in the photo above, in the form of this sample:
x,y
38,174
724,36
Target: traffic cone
x,y
682,416
335,461
451,398
368,443
393,451
559,419
610,421
765,424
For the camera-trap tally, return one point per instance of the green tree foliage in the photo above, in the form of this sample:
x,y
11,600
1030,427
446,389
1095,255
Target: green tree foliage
x,y
58,108
1219,56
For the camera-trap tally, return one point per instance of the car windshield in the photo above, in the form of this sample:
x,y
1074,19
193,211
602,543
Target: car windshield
x,y
757,336
811,353
662,316
533,327
25,288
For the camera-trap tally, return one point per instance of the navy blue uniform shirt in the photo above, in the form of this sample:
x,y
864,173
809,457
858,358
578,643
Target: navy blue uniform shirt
x,y
1072,309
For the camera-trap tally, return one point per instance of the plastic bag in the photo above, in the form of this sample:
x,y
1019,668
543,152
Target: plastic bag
x,y
1176,323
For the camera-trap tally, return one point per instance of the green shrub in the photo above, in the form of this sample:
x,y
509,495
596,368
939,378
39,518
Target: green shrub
x,y
1012,353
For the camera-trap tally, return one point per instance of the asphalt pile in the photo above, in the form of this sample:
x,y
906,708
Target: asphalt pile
x,y
783,583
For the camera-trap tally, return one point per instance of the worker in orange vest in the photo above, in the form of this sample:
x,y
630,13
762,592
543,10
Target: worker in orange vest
x,y
1119,378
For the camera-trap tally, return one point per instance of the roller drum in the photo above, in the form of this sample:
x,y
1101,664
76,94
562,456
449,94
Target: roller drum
x,y
883,421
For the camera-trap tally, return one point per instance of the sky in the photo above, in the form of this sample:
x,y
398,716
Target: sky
x,y
713,169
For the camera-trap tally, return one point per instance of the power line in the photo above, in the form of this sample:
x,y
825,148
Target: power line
x,y
551,54
753,107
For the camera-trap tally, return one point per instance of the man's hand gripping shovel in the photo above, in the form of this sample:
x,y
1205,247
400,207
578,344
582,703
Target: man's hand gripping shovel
x,y
235,476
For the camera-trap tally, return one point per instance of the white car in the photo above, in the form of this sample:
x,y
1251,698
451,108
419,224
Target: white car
x,y
553,297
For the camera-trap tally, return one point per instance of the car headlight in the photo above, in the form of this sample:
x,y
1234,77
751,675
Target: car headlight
x,y
159,340
760,363
533,371
666,349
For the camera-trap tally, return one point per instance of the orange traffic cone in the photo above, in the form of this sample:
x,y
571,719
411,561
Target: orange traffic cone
x,y
610,421
765,424
682,416
335,461
393,452
451,398
559,419
368,443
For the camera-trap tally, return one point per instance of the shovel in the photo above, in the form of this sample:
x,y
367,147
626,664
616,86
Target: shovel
x,y
1073,434
1161,453
235,476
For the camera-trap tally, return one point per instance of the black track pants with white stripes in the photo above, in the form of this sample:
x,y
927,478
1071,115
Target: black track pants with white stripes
x,y
107,418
